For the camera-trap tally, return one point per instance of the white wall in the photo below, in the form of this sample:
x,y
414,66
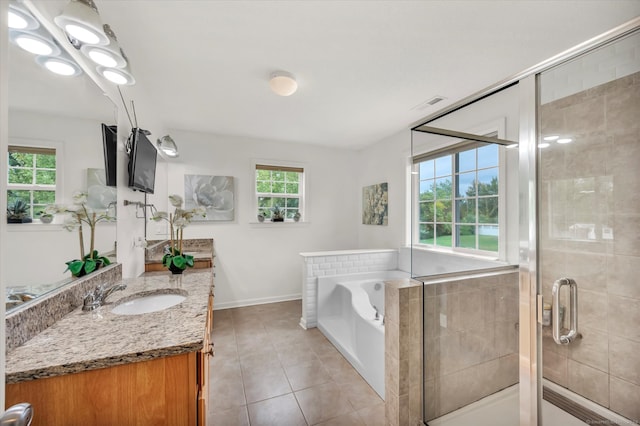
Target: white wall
x,y
258,263
386,161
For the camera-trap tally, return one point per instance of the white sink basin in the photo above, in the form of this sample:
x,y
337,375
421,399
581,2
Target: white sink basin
x,y
146,304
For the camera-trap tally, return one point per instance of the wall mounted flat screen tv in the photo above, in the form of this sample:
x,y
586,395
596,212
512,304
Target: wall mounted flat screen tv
x,y
110,147
142,162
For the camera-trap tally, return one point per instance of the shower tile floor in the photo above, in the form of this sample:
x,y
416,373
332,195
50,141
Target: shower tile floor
x,y
267,370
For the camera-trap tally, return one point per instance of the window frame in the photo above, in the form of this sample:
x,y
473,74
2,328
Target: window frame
x,y
452,149
302,188
38,144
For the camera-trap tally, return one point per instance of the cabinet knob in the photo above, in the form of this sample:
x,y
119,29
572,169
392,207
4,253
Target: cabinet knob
x,y
211,352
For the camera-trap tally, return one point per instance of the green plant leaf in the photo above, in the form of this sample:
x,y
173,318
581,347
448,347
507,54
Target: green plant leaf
x,y
188,260
180,262
90,265
75,266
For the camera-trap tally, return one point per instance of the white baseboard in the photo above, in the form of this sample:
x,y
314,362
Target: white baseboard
x,y
259,301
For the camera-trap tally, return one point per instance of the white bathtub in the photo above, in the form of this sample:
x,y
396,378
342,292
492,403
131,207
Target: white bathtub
x,y
346,316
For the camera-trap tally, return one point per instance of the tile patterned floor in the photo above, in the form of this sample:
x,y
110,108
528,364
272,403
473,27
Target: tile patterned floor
x,y
269,371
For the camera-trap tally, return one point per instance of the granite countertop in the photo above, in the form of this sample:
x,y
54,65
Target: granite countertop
x,y
83,341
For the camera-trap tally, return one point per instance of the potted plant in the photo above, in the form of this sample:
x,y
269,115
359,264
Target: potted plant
x,y
277,214
79,214
46,217
18,212
174,258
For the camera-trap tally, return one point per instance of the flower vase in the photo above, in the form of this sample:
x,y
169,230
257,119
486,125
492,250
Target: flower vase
x,y
175,270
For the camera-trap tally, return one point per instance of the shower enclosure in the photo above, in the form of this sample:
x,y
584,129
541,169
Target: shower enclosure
x,y
553,335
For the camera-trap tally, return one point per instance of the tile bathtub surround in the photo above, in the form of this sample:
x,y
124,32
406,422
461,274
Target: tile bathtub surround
x,y
328,263
589,231
268,371
471,338
29,320
403,352
84,341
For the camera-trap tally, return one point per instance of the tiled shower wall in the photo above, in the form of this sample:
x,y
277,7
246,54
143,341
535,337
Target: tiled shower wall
x,y
471,338
327,263
590,231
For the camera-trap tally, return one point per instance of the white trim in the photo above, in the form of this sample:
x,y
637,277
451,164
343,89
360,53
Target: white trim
x,y
346,252
256,301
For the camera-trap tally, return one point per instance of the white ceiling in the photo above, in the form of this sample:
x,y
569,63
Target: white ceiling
x,y
362,66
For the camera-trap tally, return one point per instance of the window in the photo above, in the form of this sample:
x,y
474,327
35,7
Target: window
x,y
458,197
279,186
31,177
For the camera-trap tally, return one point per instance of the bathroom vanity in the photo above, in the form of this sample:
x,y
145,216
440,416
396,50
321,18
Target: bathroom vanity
x,y
103,368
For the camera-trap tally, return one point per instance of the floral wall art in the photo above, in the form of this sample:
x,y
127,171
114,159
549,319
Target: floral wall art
x,y
375,209
214,193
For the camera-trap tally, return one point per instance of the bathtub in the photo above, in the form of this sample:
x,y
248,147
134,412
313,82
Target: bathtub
x,y
347,317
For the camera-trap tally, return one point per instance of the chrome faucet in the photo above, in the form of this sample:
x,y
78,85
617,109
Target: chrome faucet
x,y
97,297
377,317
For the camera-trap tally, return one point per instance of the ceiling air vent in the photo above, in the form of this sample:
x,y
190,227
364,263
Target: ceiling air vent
x,y
429,102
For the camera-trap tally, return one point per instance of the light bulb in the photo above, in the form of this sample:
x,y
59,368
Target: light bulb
x,y
103,58
82,34
59,67
16,21
33,45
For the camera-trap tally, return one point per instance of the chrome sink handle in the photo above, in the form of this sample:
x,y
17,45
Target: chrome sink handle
x,y
564,339
17,415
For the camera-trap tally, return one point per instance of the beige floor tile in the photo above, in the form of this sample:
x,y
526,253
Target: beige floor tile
x,y
351,419
295,353
373,415
226,393
339,368
360,394
307,374
322,402
236,416
278,411
264,383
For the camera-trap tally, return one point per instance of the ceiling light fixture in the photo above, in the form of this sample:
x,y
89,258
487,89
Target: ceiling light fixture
x,y
119,76
107,56
20,19
167,145
35,42
283,83
60,66
80,19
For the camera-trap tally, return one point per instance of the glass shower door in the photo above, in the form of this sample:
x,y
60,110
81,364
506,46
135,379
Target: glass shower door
x,y
589,234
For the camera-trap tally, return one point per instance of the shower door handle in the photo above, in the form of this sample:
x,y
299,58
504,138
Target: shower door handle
x,y
565,339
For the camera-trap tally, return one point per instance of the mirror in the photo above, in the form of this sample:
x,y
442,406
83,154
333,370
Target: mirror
x,y
47,110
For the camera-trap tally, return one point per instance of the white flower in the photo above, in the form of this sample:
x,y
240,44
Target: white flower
x,y
79,198
175,200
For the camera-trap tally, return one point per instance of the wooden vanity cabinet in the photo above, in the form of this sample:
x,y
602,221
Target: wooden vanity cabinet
x,y
168,391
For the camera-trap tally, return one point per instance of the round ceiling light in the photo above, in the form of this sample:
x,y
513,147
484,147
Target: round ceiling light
x,y
81,21
34,42
283,83
59,66
119,76
20,19
109,56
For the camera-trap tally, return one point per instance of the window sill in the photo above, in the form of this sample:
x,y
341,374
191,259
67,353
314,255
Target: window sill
x,y
43,227
287,224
